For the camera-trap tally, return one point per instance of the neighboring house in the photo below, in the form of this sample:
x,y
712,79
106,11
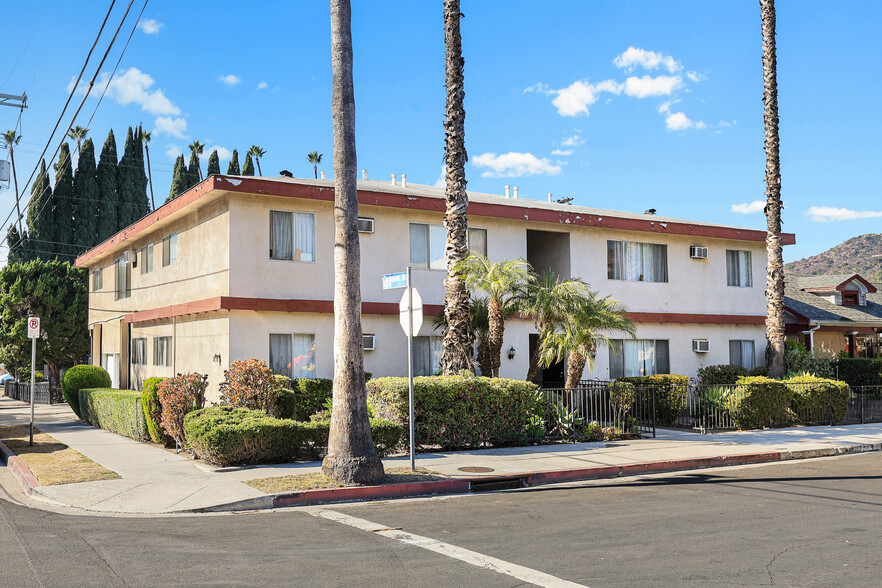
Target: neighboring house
x,y
831,314
241,267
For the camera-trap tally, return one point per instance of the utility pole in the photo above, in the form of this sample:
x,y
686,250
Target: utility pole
x,y
20,102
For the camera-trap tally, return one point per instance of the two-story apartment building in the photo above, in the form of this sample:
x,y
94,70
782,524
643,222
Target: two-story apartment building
x,y
241,267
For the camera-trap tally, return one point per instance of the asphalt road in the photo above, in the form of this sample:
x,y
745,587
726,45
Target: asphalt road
x,y
813,522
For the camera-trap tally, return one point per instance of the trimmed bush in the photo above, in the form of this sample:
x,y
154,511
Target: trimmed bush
x,y
237,436
177,397
759,370
458,411
303,397
670,394
153,411
118,411
79,377
798,361
818,399
717,375
758,401
859,371
250,384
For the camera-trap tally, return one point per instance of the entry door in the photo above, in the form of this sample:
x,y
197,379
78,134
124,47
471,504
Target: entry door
x,y
110,362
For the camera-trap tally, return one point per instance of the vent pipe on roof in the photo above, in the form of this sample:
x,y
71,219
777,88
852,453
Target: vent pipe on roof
x,y
364,174
393,180
507,195
323,176
549,197
404,180
515,195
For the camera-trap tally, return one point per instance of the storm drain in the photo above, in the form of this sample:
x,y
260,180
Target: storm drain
x,y
501,483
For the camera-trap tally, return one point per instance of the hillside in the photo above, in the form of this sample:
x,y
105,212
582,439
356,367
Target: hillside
x,y
861,255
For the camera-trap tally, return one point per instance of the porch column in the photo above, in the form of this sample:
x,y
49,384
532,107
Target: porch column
x,y
852,343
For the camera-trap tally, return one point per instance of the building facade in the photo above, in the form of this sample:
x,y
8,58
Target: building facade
x,y
241,267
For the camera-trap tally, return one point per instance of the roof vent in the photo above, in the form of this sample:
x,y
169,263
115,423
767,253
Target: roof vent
x,y
364,174
507,193
323,176
286,174
393,180
515,195
550,199
650,211
404,180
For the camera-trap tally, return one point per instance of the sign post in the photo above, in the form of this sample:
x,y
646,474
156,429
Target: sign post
x,y
33,334
410,314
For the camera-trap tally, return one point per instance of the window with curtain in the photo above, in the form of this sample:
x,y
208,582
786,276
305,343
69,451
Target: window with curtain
x,y
427,243
170,249
637,262
280,354
738,271
641,357
146,261
139,351
123,279
292,235
162,351
478,241
303,352
742,352
304,236
97,279
426,355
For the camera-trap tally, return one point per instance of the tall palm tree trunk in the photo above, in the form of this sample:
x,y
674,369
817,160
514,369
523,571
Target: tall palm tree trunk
x,y
575,366
775,264
257,160
458,338
150,176
15,183
496,315
351,456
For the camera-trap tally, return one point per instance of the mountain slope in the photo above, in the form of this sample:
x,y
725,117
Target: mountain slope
x,y
861,255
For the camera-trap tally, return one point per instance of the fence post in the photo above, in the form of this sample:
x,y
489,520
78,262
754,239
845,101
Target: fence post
x,y
861,396
653,412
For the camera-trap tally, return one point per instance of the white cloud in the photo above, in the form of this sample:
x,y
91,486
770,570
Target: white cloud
x,y
634,56
223,153
514,164
573,141
578,96
724,123
677,121
132,86
695,76
823,214
749,207
563,152
150,26
540,88
171,126
262,86
647,86
172,150
230,80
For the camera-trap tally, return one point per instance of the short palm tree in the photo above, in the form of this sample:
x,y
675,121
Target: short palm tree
x,y
480,326
314,158
580,333
10,140
257,153
145,136
78,134
503,282
196,148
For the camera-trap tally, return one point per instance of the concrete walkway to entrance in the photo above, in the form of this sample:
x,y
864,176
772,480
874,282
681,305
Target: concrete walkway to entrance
x,y
154,480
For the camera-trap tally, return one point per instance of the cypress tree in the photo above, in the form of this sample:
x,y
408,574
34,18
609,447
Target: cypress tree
x,y
109,203
248,168
233,168
87,198
179,179
126,188
41,230
63,199
17,246
193,171
143,202
214,164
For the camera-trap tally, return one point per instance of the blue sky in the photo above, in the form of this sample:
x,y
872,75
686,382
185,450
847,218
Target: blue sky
x,y
621,105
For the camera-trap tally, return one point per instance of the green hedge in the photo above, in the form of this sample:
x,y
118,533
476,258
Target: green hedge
x,y
118,411
859,371
758,401
717,375
306,396
153,411
79,377
458,411
817,399
237,436
670,394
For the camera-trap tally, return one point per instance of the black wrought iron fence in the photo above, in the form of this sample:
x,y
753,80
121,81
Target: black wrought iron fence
x,y
22,391
598,410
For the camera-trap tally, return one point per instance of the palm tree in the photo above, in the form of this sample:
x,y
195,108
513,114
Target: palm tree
x,y
196,149
351,456
10,140
145,136
458,338
479,309
314,158
580,333
257,153
78,134
775,261
502,282
548,300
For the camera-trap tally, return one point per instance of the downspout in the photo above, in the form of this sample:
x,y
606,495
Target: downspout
x,y
810,333
129,357
174,344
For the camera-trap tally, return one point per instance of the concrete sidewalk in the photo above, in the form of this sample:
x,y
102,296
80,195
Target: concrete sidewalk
x,y
157,481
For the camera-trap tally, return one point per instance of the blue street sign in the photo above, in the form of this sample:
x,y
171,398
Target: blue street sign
x,y
392,281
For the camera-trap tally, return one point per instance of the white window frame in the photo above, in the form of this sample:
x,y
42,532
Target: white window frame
x,y
169,249
439,263
434,348
97,279
743,259
162,354
751,363
616,269
624,347
293,214
139,351
146,261
471,250
298,366
123,285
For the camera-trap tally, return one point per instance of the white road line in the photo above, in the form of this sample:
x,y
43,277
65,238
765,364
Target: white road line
x,y
452,551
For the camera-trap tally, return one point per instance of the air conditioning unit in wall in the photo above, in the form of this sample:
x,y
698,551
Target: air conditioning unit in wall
x,y
365,225
369,342
700,345
697,252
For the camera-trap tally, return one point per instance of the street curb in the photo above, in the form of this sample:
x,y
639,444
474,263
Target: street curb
x,y
26,479
524,480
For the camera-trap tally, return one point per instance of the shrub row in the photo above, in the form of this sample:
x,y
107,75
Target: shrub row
x,y
303,397
457,411
79,377
759,401
237,436
118,411
859,371
153,411
670,394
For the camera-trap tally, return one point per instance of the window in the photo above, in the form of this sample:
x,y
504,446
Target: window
x,y
643,357
426,355
293,355
139,351
850,298
292,235
170,250
123,279
637,262
162,351
146,260
427,244
738,271
741,353
98,279
478,241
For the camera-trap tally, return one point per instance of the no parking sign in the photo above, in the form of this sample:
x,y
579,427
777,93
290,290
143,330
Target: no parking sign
x,y
33,327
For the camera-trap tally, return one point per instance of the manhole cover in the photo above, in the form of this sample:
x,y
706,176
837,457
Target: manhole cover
x,y
475,469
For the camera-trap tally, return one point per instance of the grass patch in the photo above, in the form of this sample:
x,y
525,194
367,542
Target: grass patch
x,y
319,481
52,462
